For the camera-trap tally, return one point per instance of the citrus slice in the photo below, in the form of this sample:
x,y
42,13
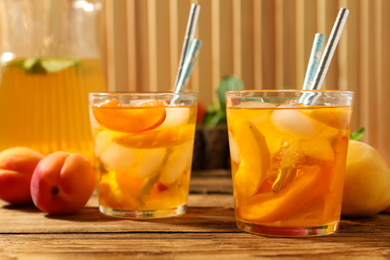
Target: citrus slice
x,y
116,117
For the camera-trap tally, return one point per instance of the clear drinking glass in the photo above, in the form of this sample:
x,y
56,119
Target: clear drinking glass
x,y
49,62
143,147
288,159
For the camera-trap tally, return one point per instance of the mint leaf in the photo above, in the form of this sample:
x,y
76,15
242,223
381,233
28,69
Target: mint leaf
x,y
358,134
215,118
44,65
226,84
28,64
33,66
55,65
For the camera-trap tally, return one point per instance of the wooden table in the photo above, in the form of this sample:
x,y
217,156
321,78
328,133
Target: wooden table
x,y
206,231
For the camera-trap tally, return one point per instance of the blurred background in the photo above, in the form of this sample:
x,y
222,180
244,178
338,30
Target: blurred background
x,y
266,43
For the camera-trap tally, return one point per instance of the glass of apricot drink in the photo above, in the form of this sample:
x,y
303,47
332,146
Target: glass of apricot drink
x,y
288,159
143,145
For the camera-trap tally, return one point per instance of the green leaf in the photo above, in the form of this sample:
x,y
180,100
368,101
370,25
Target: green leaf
x,y
214,118
358,134
227,84
28,64
55,65
216,113
45,65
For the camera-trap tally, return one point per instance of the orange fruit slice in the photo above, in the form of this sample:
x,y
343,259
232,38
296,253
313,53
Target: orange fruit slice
x,y
165,137
338,117
116,117
254,158
276,206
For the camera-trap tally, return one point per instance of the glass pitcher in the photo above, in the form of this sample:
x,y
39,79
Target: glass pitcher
x,y
49,62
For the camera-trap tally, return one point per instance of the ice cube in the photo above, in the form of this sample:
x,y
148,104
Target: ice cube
x,y
139,102
234,152
295,122
103,140
318,148
148,162
255,104
116,157
176,116
290,103
179,161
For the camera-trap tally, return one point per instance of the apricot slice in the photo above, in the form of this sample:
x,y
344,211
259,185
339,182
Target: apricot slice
x,y
254,158
164,137
116,117
271,207
338,118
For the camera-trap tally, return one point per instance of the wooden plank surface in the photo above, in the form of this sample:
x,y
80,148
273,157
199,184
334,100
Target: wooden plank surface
x,y
207,230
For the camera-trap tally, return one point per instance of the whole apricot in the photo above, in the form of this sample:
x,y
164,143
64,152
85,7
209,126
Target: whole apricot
x,y
17,165
367,181
62,183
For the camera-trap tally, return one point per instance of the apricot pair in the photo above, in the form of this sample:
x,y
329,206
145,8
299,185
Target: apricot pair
x,y
59,183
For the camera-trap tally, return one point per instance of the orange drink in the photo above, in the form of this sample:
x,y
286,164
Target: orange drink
x,y
288,160
44,103
143,146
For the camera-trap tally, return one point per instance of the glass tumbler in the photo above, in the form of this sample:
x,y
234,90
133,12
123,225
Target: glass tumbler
x,y
143,146
288,157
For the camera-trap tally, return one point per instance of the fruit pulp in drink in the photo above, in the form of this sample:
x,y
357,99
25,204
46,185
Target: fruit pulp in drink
x,y
288,163
143,155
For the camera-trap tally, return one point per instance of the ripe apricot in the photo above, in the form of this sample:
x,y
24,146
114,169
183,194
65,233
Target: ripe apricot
x,y
17,165
62,183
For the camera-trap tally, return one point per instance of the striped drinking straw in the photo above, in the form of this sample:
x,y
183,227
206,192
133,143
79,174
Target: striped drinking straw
x,y
312,67
187,68
327,56
189,36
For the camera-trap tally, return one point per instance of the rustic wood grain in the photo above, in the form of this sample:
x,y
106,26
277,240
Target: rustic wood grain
x,y
207,230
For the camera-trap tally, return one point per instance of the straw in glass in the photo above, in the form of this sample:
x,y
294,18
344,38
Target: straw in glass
x,y
314,60
328,55
189,36
188,65
188,57
187,68
330,48
312,67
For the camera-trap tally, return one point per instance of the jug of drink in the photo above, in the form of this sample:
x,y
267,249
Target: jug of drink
x,y
49,63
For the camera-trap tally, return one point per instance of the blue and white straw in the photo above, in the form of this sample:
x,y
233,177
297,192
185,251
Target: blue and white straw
x,y
188,66
312,67
330,48
189,36
314,60
327,56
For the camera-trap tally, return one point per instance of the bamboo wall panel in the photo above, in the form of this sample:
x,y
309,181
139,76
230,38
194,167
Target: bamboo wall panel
x,y
266,43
